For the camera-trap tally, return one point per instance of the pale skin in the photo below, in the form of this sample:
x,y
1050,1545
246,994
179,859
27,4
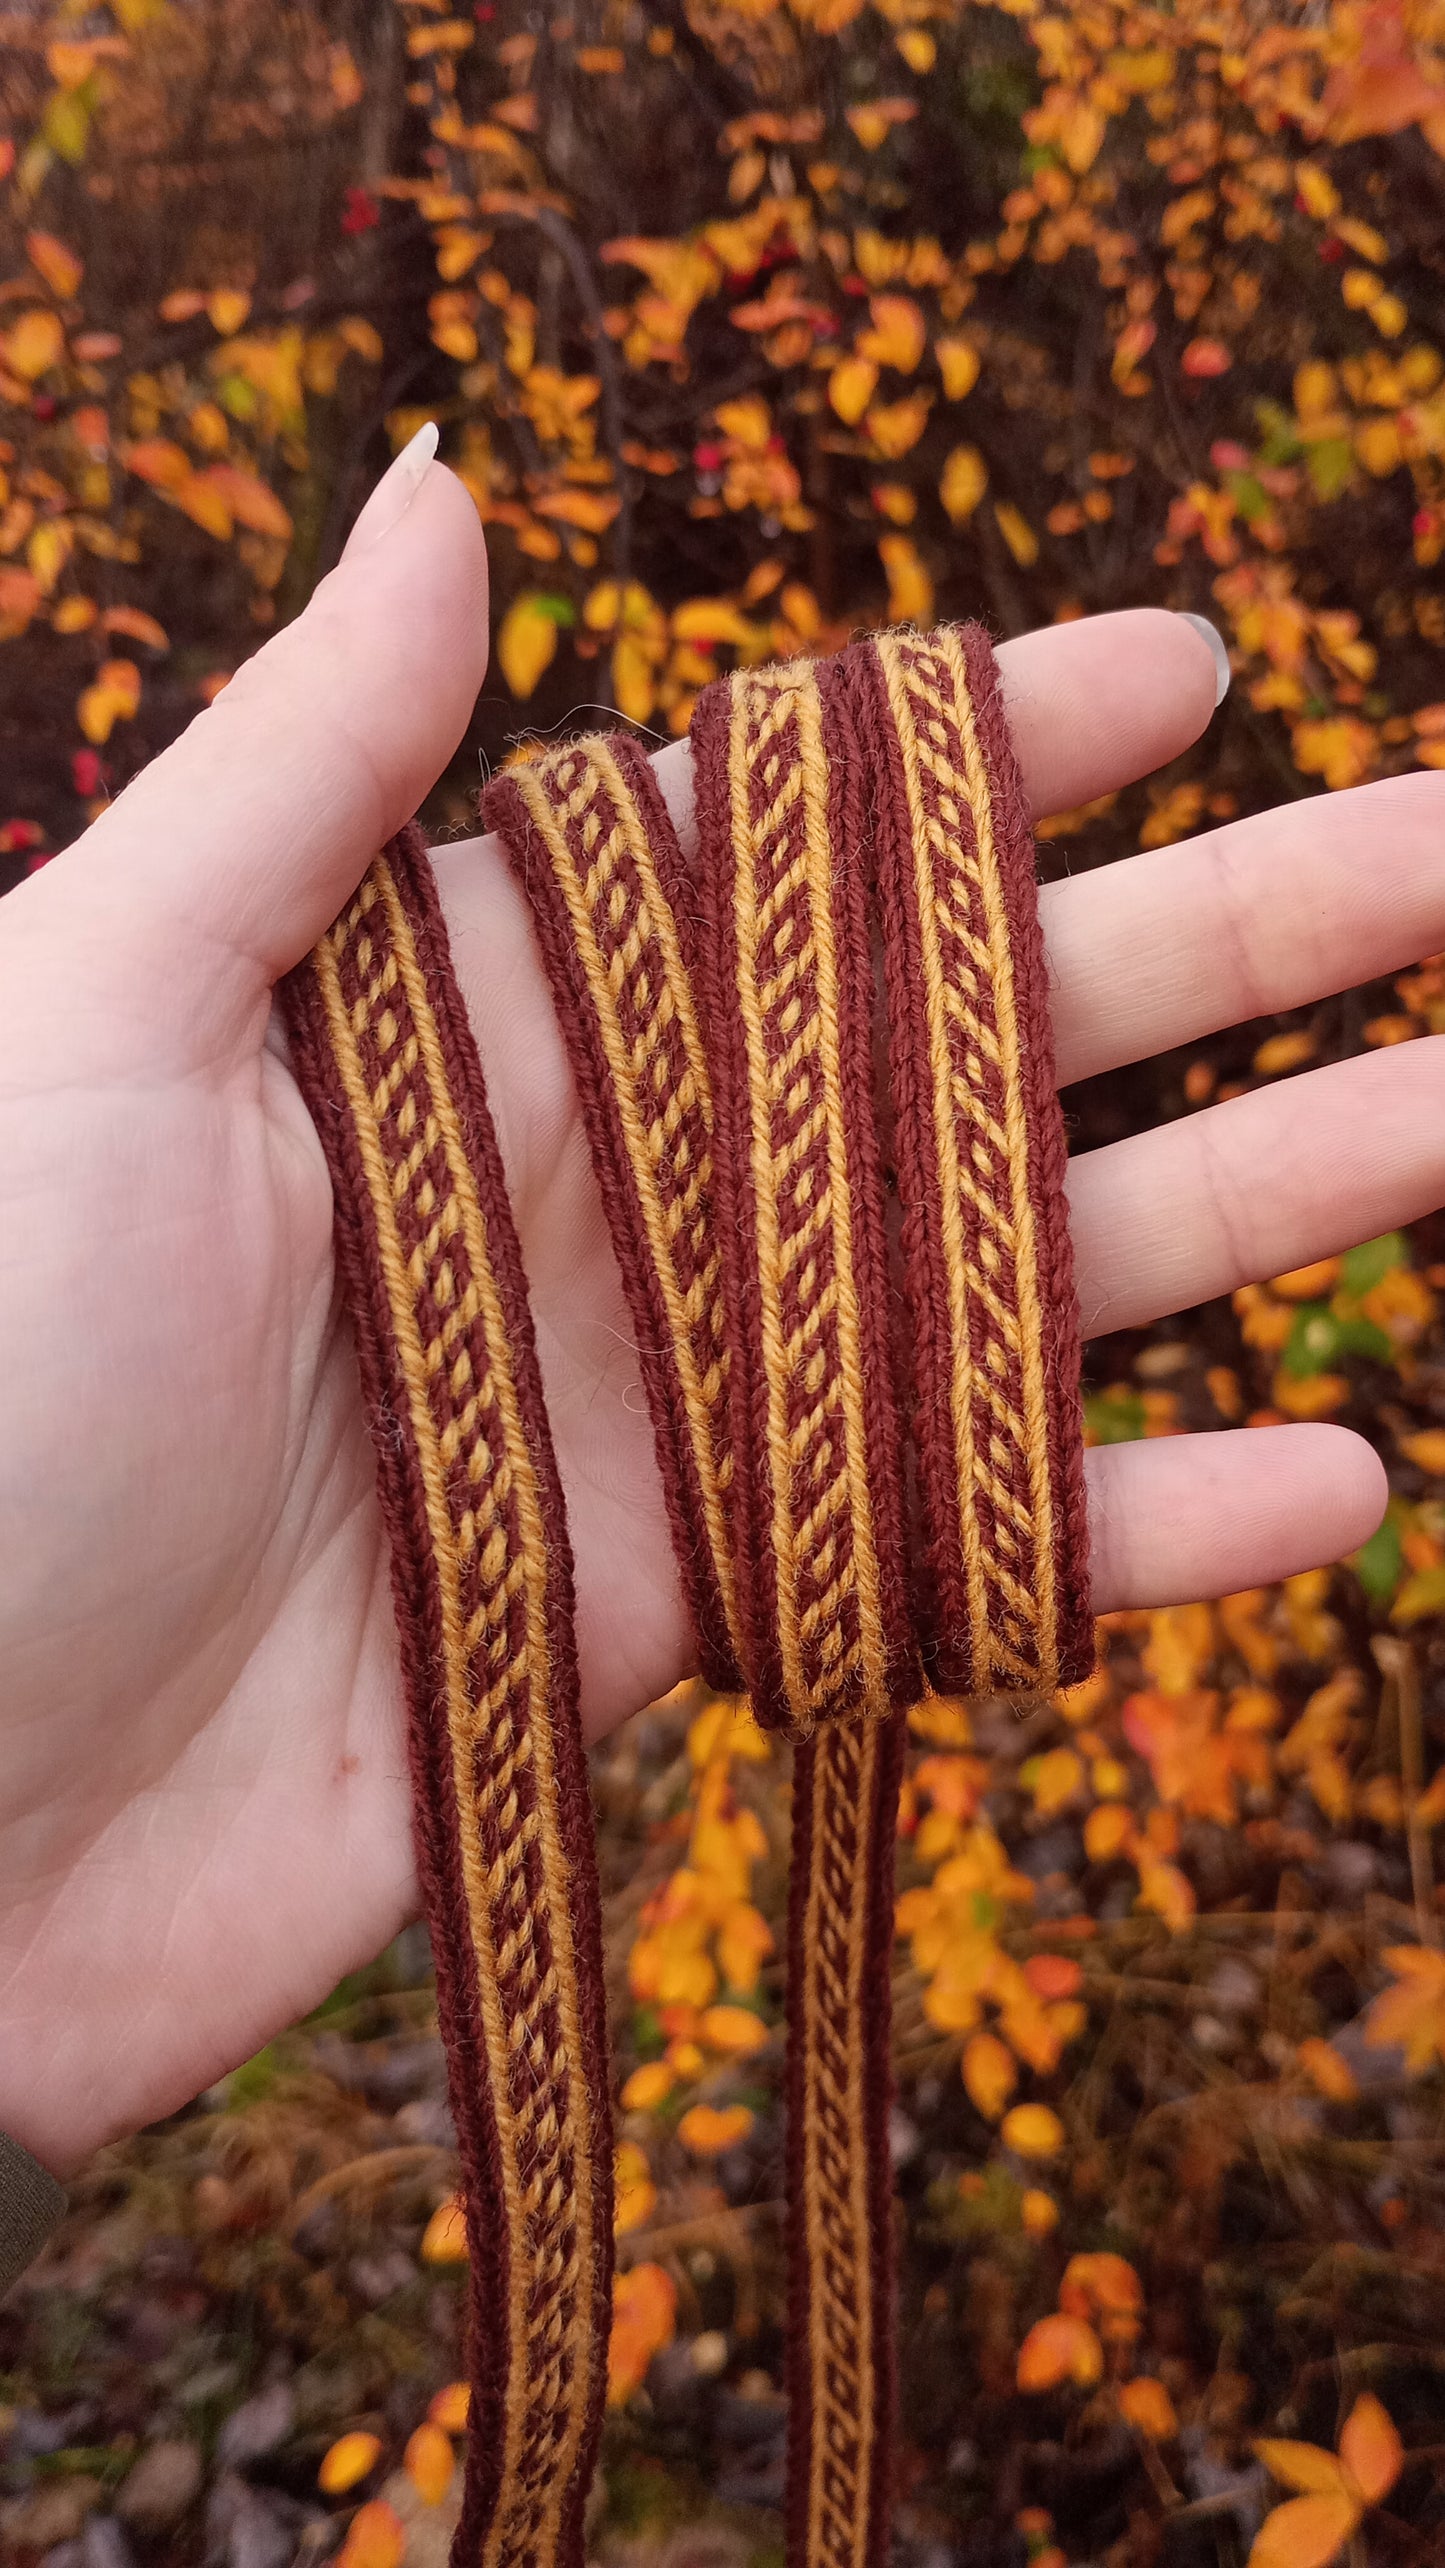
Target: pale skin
x,y
203,1789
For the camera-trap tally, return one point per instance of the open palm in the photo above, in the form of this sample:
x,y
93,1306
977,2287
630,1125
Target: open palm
x,y
203,1788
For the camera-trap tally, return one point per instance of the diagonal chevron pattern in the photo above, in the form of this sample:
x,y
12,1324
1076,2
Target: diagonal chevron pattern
x,y
858,819
483,1585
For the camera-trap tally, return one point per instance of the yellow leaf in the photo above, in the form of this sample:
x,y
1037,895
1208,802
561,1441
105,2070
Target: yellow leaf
x,y
989,2073
910,590
896,426
1033,2130
851,387
444,2240
1060,2349
1147,2404
644,2319
1370,2448
376,2538
1053,1779
958,363
48,551
60,267
1017,533
429,2462
748,419
1318,191
348,2461
1301,2465
451,2407
36,343
918,49
733,2030
963,482
710,620
229,310
1306,2533
899,333
526,643
73,615
1139,73
708,2129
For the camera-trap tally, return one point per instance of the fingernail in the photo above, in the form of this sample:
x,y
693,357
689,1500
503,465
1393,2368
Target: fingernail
x,y
1215,640
396,489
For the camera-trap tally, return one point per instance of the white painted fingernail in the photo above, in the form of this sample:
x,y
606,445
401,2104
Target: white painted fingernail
x,y
396,489
1216,642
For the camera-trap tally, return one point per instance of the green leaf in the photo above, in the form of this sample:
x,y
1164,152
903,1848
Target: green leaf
x,y
1314,1342
1114,1417
1364,1266
1331,462
560,610
1249,496
1378,1563
648,2038
1365,1337
1279,444
238,396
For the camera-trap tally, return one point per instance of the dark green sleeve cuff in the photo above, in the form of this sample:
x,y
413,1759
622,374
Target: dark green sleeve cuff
x,y
31,2205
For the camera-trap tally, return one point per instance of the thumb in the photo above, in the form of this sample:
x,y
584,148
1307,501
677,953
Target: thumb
x,y
245,837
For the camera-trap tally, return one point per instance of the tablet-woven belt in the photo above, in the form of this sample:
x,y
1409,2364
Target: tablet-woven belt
x,y
482,1584
866,1426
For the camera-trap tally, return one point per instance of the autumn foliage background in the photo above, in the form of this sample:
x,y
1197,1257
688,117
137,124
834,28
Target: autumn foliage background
x,y
747,324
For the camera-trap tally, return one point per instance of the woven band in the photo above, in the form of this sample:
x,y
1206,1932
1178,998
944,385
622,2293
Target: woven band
x,y
482,1583
863,1386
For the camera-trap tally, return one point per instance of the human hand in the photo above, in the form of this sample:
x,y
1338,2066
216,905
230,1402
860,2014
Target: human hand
x,y
204,1815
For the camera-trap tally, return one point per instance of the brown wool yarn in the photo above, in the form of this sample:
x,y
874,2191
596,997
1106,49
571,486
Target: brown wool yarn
x,y
864,1392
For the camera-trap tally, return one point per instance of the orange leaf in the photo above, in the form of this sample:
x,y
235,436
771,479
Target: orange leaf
x,y
444,2240
1304,2534
1147,2404
1328,2072
733,2029
1100,2281
644,2318
851,386
1060,2349
1205,357
376,2538
249,500
429,2462
1370,2448
60,267
136,625
159,461
451,2407
348,2462
1302,2465
708,2129
989,2073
